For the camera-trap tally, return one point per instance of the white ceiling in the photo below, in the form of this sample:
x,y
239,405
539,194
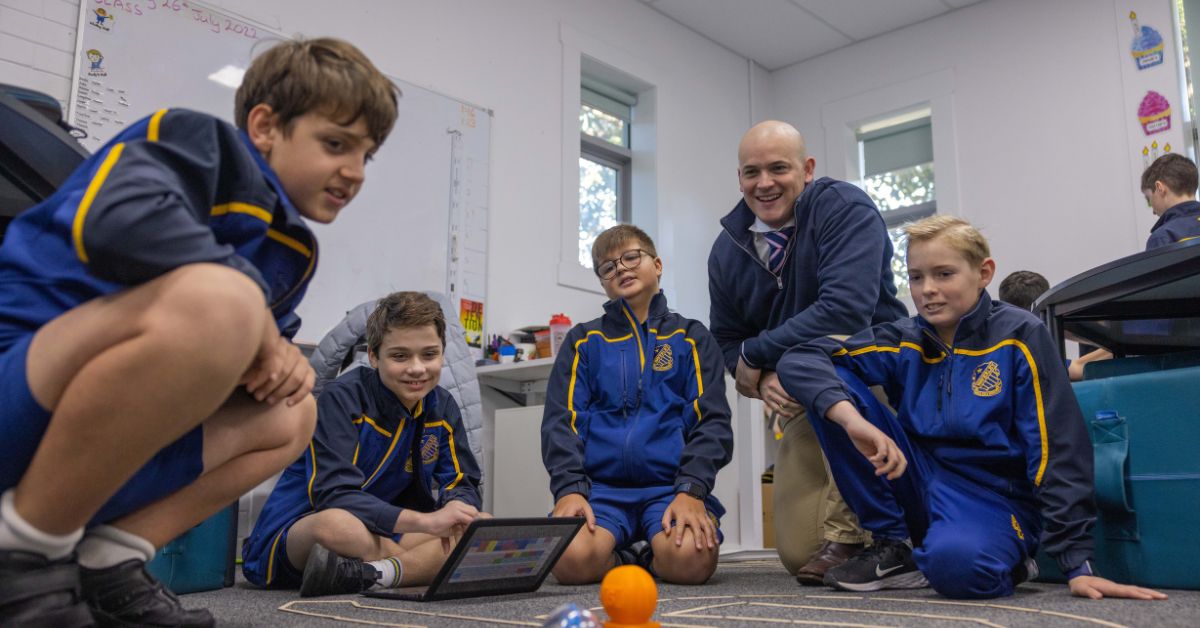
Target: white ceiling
x,y
778,33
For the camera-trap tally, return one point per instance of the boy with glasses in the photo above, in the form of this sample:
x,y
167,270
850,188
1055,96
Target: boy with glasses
x,y
636,426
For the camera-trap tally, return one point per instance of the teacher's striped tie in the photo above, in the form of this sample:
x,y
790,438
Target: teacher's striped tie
x,y
777,240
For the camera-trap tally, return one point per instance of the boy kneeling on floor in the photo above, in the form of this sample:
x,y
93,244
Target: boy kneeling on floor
x,y
987,453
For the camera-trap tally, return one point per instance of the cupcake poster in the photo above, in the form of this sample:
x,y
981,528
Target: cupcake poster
x,y
1154,113
1147,46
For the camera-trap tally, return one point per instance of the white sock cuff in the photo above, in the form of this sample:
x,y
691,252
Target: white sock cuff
x,y
124,539
53,546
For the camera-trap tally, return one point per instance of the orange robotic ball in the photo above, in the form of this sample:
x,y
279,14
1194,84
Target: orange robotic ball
x,y
629,597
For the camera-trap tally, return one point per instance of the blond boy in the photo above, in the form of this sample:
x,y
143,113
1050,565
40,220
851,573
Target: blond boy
x,y
986,457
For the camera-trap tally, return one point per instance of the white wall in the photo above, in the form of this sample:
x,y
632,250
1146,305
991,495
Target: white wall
x,y
37,44
507,56
1038,110
1037,99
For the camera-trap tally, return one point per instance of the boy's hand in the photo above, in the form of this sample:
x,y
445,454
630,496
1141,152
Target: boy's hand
x,y
279,370
1095,587
776,398
881,450
575,505
688,512
746,379
448,522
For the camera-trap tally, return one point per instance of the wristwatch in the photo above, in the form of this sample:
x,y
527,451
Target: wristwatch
x,y
693,489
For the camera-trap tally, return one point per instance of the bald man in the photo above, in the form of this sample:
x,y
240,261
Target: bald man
x,y
797,260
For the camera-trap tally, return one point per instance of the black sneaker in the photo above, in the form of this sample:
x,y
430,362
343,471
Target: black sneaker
x,y
127,595
327,573
1026,571
888,564
36,591
638,553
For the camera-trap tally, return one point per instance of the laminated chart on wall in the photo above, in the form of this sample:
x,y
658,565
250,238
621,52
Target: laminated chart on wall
x,y
1155,109
421,219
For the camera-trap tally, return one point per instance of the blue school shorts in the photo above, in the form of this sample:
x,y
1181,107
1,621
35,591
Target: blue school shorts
x,y
271,569
23,423
635,514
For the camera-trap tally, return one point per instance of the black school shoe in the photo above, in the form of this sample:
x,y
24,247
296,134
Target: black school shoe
x,y
639,553
127,595
327,573
1026,571
887,564
36,591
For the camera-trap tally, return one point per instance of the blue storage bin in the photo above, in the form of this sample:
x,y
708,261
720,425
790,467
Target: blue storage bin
x,y
1145,428
202,559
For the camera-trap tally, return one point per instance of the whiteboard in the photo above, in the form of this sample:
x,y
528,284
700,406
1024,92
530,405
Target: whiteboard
x,y
420,221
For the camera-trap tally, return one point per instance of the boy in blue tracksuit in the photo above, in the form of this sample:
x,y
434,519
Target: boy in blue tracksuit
x,y
636,426
987,453
358,509
146,307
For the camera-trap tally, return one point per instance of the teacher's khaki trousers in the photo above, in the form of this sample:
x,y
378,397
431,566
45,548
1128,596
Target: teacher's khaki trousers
x,y
808,507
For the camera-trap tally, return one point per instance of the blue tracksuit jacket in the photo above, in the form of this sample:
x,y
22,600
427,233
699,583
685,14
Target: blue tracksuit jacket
x,y
836,279
361,460
1180,222
636,405
996,408
175,188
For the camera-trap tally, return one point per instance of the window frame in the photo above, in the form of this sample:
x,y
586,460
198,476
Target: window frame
x,y
618,158
584,55
842,118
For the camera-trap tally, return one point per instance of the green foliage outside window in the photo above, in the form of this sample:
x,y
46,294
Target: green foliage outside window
x,y
896,190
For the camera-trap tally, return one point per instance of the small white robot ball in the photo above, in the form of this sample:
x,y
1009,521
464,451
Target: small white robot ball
x,y
569,615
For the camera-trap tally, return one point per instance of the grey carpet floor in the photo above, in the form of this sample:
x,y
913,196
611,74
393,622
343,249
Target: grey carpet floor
x,y
752,593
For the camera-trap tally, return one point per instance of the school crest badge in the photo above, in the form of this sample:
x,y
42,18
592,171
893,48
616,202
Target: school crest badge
x,y
985,381
429,449
664,360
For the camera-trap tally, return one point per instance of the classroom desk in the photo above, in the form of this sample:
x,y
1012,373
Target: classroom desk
x,y
513,397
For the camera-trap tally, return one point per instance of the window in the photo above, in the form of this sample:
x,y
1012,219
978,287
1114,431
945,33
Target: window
x,y
605,159
896,162
609,126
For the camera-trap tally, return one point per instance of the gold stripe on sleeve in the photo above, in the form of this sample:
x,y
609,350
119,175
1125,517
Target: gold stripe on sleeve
x,y
90,196
155,123
243,208
699,378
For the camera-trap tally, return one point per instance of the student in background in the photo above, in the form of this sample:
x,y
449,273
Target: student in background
x,y
797,259
636,426
1021,288
146,371
1169,185
987,454
357,510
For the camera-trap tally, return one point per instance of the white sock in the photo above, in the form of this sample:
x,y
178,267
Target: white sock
x,y
104,546
390,572
18,534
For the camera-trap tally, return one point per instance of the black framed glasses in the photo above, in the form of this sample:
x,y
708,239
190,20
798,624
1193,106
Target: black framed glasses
x,y
629,260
